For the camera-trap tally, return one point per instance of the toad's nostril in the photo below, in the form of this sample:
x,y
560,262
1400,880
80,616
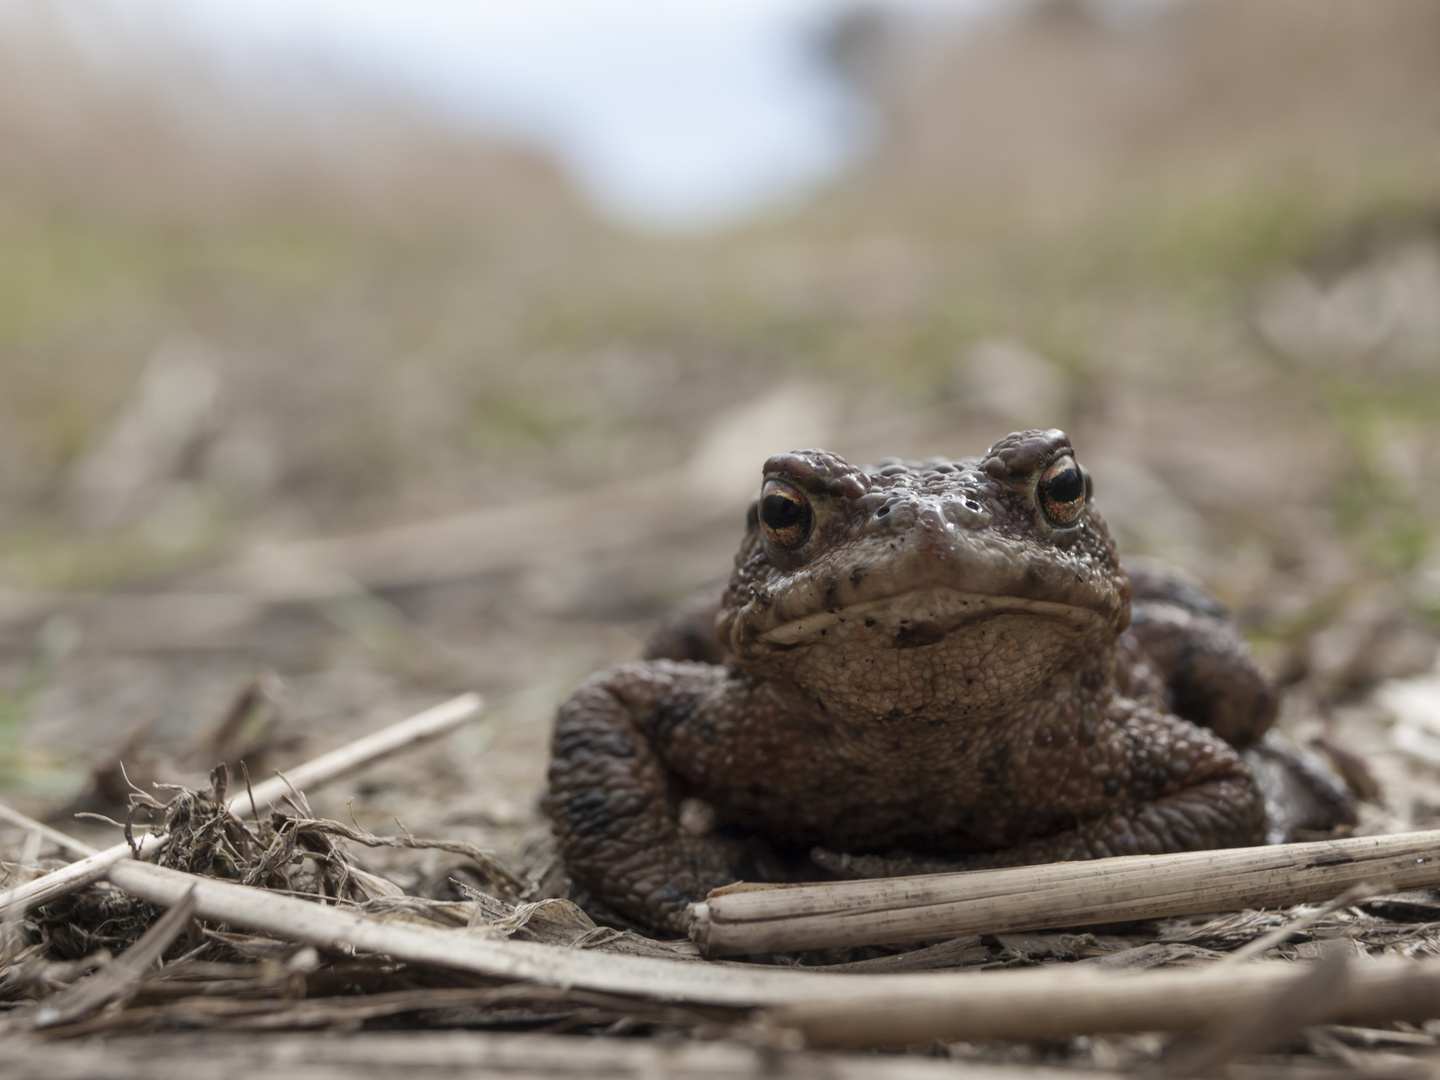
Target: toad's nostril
x,y
966,512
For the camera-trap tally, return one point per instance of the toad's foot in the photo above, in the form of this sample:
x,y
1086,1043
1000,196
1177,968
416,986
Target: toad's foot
x,y
627,832
1303,795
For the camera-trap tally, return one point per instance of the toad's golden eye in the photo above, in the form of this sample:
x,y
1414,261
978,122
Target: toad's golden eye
x,y
1061,492
785,515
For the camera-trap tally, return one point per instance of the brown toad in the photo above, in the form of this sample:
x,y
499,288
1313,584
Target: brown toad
x,y
920,666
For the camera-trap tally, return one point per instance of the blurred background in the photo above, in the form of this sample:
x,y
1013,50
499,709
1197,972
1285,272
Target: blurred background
x,y
353,353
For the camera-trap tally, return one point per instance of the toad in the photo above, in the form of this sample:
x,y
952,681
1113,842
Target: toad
x,y
916,667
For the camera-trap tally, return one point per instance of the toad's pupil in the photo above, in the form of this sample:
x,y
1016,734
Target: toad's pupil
x,y
1065,486
784,514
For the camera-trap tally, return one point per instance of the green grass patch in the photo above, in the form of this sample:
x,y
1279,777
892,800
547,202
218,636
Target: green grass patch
x,y
1381,500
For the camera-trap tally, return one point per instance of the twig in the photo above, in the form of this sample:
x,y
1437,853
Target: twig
x,y
487,863
420,728
250,793
11,938
216,743
237,1010
853,1010
463,544
1299,1003
1050,1003
382,744
337,929
751,919
444,1055
29,855
55,836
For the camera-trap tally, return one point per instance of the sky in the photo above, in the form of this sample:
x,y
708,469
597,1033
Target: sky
x,y
666,112
669,113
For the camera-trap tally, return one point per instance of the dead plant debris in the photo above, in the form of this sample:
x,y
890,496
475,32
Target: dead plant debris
x,y
102,962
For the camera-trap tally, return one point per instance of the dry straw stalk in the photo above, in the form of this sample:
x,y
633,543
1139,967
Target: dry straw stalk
x,y
1053,1004
407,733
828,1009
751,919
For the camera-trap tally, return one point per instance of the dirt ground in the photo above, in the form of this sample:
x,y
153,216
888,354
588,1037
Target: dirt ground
x,y
356,467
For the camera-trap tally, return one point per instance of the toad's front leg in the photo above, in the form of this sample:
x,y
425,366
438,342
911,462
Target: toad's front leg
x,y
617,807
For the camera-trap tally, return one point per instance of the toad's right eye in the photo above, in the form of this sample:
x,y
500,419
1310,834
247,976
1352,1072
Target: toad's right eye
x,y
785,515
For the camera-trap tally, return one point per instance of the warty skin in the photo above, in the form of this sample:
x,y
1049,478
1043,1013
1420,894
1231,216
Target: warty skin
x,y
922,666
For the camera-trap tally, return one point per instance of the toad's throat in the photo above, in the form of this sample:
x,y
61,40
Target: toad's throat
x,y
919,617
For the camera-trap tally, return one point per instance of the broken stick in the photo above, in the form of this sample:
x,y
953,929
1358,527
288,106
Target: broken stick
x,y
933,907
829,1009
410,732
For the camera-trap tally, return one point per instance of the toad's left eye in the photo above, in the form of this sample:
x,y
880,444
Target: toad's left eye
x,y
1061,492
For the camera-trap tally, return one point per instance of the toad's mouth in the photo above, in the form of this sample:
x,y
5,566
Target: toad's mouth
x,y
919,617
